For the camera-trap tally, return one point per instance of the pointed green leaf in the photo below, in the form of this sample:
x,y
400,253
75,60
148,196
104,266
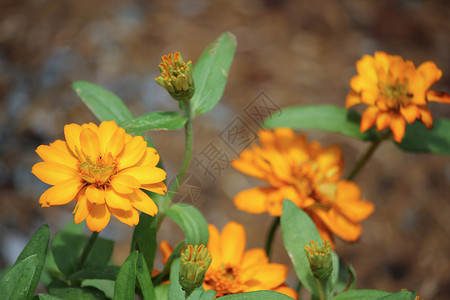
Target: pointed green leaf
x,y
105,105
38,245
48,297
157,120
126,279
175,290
144,239
419,139
321,117
298,230
162,292
374,295
66,292
346,278
17,282
200,294
258,295
145,281
191,221
67,248
101,272
211,73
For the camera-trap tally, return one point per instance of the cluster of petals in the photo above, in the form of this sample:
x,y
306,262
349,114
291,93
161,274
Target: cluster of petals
x,y
236,270
104,170
308,175
396,91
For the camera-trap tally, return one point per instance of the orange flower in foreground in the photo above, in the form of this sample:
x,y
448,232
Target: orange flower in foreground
x,y
234,270
306,174
103,169
396,91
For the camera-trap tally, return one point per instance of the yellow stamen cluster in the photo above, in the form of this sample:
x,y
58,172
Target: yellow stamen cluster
x,y
225,281
98,171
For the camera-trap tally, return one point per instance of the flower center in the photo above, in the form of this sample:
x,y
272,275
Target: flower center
x,y
225,281
396,95
97,171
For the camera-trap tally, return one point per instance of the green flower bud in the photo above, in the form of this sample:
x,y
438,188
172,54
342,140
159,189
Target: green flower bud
x,y
193,265
320,259
176,77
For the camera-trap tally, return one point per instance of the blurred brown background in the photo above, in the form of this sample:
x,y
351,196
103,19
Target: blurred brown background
x,y
289,53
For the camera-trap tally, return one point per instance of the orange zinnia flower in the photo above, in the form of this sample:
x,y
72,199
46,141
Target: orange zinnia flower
x,y
396,92
103,168
234,270
306,174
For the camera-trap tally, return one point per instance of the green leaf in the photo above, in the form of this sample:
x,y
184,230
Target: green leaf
x,y
18,281
144,239
37,245
175,290
157,120
298,230
201,294
145,281
167,266
105,105
258,295
67,248
162,292
102,272
65,292
374,295
419,139
48,297
126,279
191,221
321,117
211,73
104,285
346,278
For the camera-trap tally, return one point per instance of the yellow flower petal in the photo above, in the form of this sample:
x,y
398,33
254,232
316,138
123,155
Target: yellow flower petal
x,y
383,120
82,208
117,142
158,188
116,200
255,256
439,97
124,184
90,144
105,132
98,217
145,175
368,118
271,275
95,195
140,200
132,152
426,117
72,134
55,154
283,289
253,200
43,199
398,127
150,158
410,113
214,247
64,192
352,99
232,240
129,217
339,225
349,203
53,173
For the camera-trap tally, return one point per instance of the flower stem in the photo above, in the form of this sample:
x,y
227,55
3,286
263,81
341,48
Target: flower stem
x,y
271,236
365,158
87,249
323,290
187,151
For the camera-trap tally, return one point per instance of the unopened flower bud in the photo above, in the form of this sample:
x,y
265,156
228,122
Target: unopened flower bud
x,y
195,260
176,77
320,259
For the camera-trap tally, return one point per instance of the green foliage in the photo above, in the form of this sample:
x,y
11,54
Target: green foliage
x,y
375,295
258,295
67,248
419,139
191,221
144,279
101,272
175,290
126,279
298,230
176,253
321,117
105,105
66,292
211,73
17,283
346,278
144,239
157,120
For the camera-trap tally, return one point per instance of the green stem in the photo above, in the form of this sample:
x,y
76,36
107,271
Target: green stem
x,y
271,236
365,158
166,201
87,250
323,290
